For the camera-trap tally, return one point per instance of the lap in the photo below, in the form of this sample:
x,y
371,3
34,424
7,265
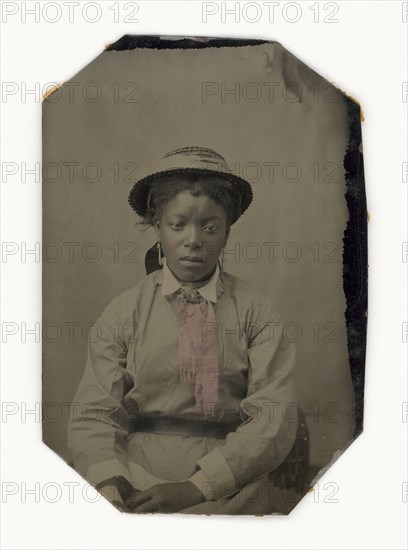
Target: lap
x,y
260,497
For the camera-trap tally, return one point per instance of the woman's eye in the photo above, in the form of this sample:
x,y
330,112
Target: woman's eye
x,y
210,228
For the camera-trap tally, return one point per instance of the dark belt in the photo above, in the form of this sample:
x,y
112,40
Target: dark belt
x,y
181,426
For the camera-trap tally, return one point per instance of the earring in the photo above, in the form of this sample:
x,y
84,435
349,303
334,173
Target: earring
x,y
160,253
221,263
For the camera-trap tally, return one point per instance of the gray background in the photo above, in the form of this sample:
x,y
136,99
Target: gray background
x,y
170,113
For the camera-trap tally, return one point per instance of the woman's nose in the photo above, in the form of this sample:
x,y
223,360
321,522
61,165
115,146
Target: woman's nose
x,y
193,238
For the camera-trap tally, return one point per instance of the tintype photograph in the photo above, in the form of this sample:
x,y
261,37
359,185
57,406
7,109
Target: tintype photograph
x,y
204,275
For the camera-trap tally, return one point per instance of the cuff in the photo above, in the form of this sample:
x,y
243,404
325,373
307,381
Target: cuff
x,y
200,479
107,469
219,480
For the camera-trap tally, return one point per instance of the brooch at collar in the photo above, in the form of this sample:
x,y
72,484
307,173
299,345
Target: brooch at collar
x,y
190,295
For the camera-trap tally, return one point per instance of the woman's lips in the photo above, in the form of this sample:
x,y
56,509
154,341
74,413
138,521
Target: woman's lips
x,y
191,260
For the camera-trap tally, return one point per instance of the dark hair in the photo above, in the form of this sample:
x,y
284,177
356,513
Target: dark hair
x,y
165,188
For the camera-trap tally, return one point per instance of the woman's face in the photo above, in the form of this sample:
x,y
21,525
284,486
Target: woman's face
x,y
192,231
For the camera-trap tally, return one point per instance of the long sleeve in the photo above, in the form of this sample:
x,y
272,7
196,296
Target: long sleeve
x,y
98,423
268,431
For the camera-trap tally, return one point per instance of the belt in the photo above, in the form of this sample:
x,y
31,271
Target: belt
x,y
181,426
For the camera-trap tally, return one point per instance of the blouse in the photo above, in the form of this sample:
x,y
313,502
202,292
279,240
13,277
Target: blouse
x,y
132,368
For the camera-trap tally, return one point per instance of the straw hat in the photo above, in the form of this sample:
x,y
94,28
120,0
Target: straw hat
x,y
192,160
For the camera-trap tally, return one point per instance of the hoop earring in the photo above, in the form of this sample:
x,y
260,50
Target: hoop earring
x,y
160,253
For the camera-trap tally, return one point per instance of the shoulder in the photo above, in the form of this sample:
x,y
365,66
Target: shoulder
x,y
124,304
248,296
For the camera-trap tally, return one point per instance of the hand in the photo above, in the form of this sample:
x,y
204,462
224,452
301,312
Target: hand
x,y
116,489
165,498
111,492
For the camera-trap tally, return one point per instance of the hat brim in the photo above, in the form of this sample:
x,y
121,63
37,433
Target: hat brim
x,y
139,194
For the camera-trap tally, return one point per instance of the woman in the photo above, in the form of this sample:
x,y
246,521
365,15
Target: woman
x,y
183,402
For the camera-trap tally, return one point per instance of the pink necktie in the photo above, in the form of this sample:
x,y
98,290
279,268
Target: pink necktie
x,y
198,350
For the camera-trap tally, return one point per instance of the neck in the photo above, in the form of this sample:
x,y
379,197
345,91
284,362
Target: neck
x,y
198,282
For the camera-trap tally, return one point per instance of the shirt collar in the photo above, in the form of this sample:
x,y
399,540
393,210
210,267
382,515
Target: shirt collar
x,y
170,284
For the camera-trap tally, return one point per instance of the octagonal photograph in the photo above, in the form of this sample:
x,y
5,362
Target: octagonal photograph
x,y
204,275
